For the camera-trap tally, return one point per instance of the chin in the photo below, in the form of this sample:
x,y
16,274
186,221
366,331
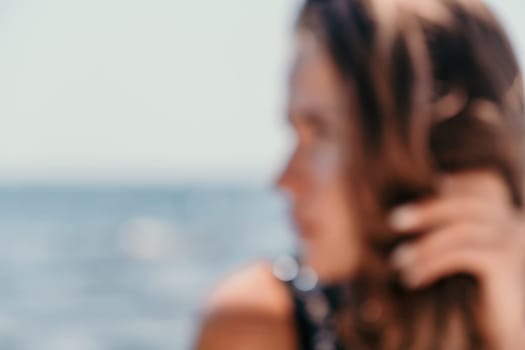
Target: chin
x,y
327,270
331,265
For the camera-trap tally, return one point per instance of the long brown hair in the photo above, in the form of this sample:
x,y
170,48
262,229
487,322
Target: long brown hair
x,y
433,87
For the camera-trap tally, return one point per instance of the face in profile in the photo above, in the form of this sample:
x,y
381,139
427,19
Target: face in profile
x,y
315,178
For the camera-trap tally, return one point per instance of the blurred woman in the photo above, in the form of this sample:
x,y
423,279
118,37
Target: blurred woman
x,y
406,188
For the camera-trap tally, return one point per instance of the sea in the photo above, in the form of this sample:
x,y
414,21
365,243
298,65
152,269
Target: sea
x,y
114,268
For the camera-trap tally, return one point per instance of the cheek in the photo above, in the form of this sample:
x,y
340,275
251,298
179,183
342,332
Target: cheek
x,y
326,200
325,171
328,187
334,251
335,213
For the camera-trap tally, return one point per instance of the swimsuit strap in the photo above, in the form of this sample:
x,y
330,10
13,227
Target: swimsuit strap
x,y
314,305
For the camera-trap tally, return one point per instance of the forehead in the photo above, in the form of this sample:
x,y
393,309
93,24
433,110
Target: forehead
x,y
314,81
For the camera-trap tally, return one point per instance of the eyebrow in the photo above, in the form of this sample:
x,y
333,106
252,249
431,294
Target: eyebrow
x,y
313,114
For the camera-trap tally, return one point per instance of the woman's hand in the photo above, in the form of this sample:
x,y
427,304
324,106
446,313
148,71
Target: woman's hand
x,y
470,227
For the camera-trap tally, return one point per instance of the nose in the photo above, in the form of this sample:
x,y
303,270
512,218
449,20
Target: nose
x,y
288,181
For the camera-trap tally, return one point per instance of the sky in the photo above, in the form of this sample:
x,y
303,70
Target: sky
x,y
150,90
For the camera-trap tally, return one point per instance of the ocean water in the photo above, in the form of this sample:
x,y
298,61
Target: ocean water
x,y
110,268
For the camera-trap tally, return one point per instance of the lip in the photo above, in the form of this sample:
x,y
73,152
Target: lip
x,y
304,227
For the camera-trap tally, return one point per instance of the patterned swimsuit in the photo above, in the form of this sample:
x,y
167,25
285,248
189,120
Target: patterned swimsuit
x,y
314,305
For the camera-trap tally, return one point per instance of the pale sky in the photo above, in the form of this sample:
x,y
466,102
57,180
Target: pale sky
x,y
150,90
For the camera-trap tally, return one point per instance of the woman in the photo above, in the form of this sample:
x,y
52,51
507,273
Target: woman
x,y
406,187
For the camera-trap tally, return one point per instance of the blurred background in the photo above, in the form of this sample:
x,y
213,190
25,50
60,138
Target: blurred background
x,y
138,147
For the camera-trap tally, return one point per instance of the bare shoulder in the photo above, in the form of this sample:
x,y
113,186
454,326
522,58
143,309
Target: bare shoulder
x,y
250,309
252,288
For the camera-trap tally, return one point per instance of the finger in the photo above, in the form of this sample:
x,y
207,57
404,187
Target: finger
x,y
464,235
463,193
423,216
442,241
482,184
472,260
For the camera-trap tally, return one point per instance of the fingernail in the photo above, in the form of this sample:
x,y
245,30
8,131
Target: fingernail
x,y
403,256
403,218
410,279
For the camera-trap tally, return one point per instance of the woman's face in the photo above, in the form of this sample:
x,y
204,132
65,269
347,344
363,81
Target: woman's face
x,y
314,177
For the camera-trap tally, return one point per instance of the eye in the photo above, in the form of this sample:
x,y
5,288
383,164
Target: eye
x,y
318,126
313,128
